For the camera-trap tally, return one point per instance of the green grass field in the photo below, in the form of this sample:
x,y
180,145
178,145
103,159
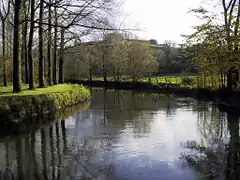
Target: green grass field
x,y
181,81
8,91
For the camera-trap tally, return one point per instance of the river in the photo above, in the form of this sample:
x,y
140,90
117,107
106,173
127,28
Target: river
x,y
126,135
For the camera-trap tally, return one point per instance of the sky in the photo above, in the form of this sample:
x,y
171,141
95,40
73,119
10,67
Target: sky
x,y
160,19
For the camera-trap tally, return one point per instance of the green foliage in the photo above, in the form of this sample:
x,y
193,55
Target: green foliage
x,y
216,42
111,56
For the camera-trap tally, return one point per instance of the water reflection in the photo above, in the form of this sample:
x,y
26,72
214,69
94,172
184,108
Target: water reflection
x,y
217,156
127,135
32,153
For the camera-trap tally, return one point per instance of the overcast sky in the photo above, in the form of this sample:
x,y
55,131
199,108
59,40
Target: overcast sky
x,y
160,19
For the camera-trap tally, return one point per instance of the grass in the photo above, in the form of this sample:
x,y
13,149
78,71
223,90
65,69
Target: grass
x,y
180,81
39,101
8,91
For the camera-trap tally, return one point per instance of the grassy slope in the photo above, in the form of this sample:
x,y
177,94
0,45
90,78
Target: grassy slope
x,y
7,91
41,100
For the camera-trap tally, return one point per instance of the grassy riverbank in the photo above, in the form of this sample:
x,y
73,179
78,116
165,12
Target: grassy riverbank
x,y
220,96
187,81
15,106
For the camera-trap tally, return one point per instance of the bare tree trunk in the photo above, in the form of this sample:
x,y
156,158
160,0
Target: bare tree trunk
x,y
229,79
4,54
90,74
24,47
30,43
55,47
61,73
16,59
41,60
26,55
9,35
49,46
4,17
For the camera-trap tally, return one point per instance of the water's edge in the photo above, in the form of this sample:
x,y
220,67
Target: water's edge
x,y
222,97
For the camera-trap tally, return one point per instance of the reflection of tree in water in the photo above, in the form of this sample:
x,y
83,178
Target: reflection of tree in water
x,y
218,154
212,124
37,154
127,109
111,112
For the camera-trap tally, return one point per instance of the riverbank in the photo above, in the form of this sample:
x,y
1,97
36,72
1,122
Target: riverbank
x,y
14,107
34,123
221,96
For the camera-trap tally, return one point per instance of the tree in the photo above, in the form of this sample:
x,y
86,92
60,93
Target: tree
x,y
111,55
30,45
40,46
222,32
61,61
54,72
49,45
140,60
88,15
24,51
68,19
118,57
88,55
168,46
16,59
4,12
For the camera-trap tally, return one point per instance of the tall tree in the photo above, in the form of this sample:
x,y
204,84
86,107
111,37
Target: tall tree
x,y
61,61
4,12
30,45
16,58
40,48
54,72
24,55
228,9
49,45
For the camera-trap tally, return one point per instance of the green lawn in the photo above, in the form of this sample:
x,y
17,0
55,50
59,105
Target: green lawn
x,y
182,81
8,91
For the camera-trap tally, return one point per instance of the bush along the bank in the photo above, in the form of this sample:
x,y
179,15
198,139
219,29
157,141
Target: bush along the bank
x,y
15,106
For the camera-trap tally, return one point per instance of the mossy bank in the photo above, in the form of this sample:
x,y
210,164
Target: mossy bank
x,y
14,107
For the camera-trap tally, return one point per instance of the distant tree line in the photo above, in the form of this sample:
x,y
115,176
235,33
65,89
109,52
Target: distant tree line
x,y
110,57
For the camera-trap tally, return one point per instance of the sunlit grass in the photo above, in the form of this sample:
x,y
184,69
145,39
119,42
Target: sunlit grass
x,y
8,91
40,100
180,81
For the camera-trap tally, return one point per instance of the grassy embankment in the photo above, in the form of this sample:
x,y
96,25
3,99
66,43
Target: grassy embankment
x,y
15,106
177,81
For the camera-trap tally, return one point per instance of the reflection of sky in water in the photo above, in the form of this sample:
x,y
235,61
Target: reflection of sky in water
x,y
163,142
143,167
139,155
156,155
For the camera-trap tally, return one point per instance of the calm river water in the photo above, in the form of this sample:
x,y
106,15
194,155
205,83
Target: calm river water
x,y
124,135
